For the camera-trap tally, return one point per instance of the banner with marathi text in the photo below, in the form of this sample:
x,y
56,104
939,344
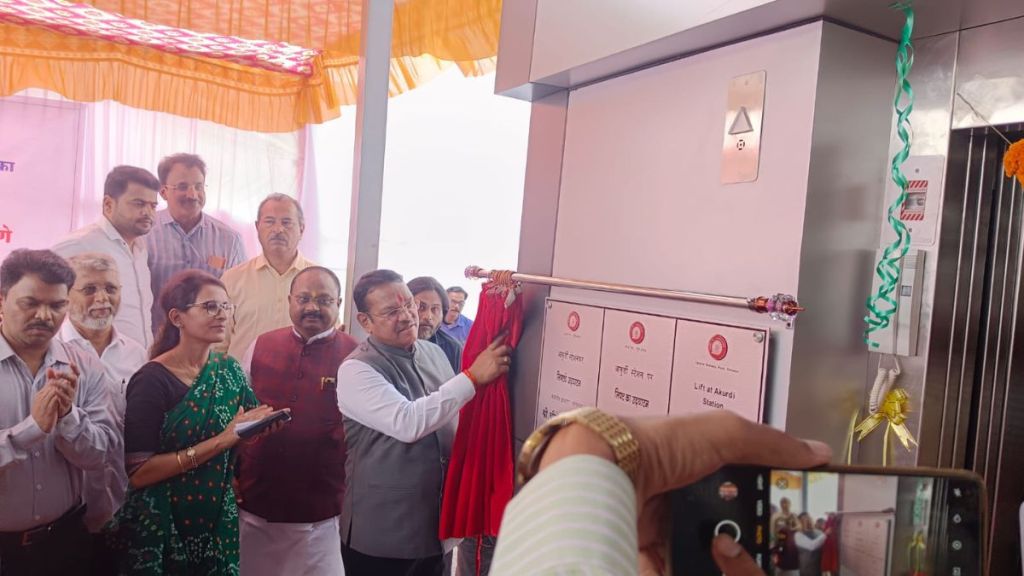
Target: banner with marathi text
x,y
39,152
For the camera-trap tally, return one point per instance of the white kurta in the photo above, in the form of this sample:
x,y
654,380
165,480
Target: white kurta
x,y
277,548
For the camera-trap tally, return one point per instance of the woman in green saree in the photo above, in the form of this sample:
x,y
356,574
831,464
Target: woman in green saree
x,y
180,515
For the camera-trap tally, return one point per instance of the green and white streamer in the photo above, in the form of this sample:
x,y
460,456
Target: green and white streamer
x,y
882,303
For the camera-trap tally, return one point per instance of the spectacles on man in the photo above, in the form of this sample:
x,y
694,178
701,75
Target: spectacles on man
x,y
92,289
393,314
183,187
321,301
212,307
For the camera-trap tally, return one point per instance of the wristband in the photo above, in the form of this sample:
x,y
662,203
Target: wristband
x,y
470,376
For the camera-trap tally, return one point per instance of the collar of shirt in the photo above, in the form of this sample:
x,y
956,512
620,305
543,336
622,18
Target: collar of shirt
x,y
438,336
163,218
460,322
55,354
115,236
69,334
298,263
320,336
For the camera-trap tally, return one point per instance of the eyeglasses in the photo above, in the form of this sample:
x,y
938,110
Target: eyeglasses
x,y
183,187
92,289
321,301
212,307
393,314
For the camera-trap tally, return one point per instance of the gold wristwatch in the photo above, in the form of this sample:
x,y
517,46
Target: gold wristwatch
x,y
613,430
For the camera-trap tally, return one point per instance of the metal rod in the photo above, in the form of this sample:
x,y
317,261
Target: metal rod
x,y
983,118
780,306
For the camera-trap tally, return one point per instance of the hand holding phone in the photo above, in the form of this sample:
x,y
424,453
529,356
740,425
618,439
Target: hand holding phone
x,y
246,430
679,450
250,428
840,520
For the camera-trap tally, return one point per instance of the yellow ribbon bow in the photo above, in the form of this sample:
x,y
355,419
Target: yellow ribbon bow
x,y
915,552
894,410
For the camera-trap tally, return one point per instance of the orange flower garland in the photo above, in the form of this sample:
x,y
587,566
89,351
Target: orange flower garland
x,y
1013,161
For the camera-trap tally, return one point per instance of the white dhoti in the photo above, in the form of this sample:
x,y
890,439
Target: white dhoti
x,y
281,548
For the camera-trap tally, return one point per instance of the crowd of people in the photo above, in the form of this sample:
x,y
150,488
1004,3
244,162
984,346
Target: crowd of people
x,y
135,351
803,546
134,347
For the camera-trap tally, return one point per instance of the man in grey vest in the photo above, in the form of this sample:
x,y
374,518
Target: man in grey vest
x,y
400,402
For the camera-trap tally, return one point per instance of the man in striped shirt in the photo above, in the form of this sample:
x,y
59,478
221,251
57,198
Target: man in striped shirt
x,y
184,238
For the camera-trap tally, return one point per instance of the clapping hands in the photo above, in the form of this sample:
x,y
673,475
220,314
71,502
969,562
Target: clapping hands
x,y
55,399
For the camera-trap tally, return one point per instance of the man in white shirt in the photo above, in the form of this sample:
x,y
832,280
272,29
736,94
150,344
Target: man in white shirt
x,y
93,302
129,208
400,402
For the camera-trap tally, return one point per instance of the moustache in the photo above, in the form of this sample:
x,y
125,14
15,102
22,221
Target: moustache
x,y
41,325
95,309
280,237
316,315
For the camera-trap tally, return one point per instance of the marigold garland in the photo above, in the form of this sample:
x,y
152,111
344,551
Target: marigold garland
x,y
1013,161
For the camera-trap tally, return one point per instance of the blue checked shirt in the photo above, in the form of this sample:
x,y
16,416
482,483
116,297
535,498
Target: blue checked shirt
x,y
212,246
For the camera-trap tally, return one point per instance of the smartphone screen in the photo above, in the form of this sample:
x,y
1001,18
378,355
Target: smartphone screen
x,y
832,522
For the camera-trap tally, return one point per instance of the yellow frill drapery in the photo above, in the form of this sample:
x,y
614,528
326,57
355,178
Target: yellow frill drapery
x,y
428,36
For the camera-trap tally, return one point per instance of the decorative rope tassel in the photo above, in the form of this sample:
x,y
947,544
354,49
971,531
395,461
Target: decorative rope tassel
x,y
503,284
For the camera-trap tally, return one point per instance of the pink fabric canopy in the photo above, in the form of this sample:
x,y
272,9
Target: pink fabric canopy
x,y
84,20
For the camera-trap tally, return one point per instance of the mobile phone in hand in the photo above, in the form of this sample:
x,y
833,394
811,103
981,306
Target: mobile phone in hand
x,y
246,430
838,520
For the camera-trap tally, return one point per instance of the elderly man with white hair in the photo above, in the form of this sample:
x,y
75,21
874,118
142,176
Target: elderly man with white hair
x,y
93,303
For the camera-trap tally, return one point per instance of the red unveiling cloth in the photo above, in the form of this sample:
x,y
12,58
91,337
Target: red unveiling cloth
x,y
480,474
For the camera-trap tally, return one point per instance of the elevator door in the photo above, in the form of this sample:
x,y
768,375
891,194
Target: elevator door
x,y
976,357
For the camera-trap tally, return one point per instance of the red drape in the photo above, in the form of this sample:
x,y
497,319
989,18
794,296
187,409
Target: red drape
x,y
480,474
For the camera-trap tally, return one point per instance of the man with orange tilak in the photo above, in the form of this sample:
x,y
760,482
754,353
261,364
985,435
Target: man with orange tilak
x,y
400,401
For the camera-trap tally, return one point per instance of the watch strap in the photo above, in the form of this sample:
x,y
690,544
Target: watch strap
x,y
624,446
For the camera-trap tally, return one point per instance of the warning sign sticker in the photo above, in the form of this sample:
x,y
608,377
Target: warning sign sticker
x,y
913,209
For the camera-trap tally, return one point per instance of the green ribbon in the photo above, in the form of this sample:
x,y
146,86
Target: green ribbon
x,y
882,303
